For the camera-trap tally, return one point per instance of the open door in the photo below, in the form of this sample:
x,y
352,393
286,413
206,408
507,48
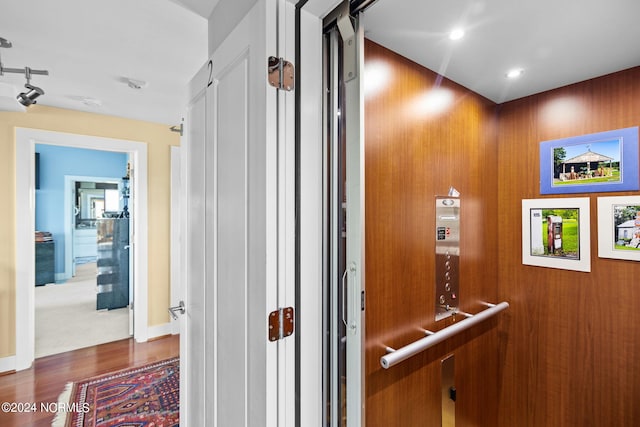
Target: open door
x,y
344,207
237,255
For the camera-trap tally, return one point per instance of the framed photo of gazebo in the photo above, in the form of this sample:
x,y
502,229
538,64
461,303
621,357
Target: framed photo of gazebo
x,y
556,233
619,227
598,162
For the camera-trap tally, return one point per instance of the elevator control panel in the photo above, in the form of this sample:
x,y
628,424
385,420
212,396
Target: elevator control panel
x,y
447,256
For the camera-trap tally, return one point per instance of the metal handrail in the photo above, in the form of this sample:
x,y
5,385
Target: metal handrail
x,y
393,357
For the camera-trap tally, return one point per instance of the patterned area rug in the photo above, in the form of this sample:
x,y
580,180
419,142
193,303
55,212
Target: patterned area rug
x,y
140,397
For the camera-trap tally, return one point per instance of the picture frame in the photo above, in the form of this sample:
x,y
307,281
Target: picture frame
x,y
556,233
598,162
619,227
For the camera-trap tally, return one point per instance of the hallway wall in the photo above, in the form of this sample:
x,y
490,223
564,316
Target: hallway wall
x,y
572,340
159,139
417,145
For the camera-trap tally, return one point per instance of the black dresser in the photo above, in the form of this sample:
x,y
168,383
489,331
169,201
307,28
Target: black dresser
x,y
45,263
113,263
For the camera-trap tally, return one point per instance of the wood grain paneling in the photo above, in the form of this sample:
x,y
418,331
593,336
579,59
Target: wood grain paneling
x,y
571,340
414,152
565,353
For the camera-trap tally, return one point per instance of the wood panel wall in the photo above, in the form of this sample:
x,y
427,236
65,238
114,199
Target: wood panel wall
x,y
571,348
414,152
566,352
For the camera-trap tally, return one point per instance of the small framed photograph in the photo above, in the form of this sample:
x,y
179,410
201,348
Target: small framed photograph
x,y
599,162
556,233
619,227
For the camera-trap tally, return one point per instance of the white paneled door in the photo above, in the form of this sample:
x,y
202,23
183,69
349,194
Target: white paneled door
x,y
232,375
192,332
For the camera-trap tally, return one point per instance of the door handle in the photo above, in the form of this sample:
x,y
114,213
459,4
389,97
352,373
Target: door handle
x,y
343,296
352,300
177,309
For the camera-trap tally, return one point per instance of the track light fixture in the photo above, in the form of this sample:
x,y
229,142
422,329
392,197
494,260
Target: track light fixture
x,y
28,97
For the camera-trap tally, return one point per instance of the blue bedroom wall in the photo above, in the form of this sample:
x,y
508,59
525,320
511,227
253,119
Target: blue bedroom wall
x,y
55,163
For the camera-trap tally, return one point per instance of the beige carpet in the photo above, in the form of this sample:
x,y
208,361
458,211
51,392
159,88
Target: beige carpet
x,y
66,317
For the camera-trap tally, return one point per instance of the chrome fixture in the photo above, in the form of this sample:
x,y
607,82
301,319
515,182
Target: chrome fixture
x,y
28,97
393,356
178,309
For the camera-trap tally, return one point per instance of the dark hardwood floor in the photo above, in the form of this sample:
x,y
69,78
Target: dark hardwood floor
x,y
44,382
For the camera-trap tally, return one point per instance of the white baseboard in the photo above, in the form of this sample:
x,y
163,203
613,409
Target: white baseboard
x,y
7,364
159,330
175,327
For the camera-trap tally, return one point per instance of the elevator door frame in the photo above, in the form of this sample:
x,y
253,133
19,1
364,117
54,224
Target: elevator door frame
x,y
344,288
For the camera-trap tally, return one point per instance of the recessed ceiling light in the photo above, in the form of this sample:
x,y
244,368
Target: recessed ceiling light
x,y
136,84
515,73
456,34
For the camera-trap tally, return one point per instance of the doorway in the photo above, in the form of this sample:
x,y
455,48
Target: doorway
x,y
25,226
87,200
402,158
72,208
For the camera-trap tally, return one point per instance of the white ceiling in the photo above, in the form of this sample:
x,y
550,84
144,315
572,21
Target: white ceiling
x,y
90,47
556,42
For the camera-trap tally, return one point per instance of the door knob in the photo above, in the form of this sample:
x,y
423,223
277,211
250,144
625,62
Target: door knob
x,y
177,309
